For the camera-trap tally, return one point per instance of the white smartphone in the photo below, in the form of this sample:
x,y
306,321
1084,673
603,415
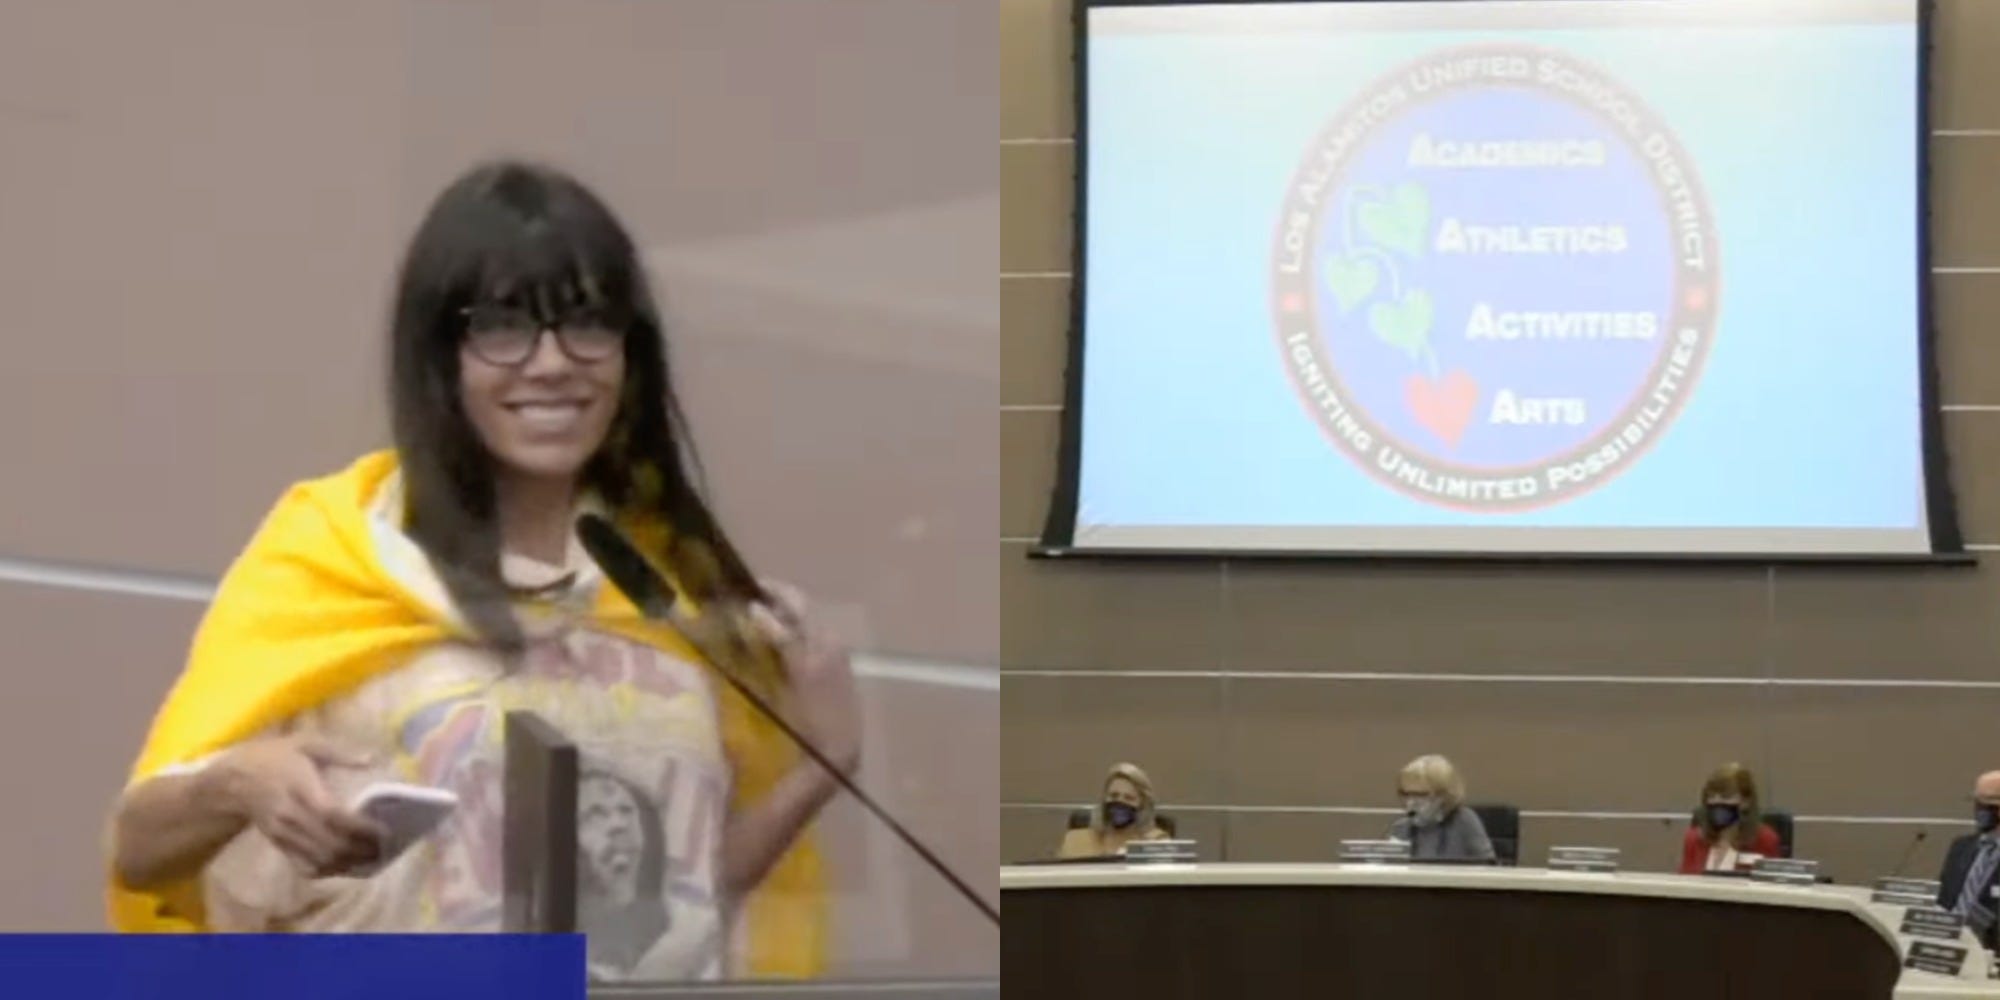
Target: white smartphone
x,y
408,813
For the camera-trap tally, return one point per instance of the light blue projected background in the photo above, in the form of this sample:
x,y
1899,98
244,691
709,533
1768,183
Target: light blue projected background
x,y
1802,433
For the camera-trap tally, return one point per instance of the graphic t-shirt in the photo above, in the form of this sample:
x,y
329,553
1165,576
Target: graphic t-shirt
x,y
653,796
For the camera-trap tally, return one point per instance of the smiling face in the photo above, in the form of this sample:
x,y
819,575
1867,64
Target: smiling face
x,y
541,398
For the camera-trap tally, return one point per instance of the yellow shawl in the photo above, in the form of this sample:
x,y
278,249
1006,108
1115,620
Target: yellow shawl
x,y
314,607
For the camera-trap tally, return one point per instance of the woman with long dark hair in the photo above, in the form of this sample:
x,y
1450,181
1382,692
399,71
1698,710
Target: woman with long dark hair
x,y
384,618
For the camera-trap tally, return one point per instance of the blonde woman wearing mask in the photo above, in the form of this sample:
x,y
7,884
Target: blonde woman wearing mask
x,y
1124,814
1436,824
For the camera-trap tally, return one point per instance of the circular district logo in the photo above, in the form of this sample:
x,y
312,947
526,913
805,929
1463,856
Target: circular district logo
x,y
1495,279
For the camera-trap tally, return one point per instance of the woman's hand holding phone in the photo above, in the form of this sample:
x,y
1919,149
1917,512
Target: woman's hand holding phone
x,y
277,785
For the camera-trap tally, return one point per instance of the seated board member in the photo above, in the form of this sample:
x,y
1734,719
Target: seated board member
x,y
1435,822
1728,833
1125,813
384,619
1971,872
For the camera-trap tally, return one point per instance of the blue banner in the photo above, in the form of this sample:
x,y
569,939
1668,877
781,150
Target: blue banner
x,y
292,967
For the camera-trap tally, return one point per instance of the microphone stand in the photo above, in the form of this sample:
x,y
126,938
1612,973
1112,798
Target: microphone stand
x,y
868,802
655,599
1909,852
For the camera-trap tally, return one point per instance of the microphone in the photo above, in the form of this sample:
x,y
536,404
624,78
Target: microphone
x,y
625,566
1908,853
1409,831
655,598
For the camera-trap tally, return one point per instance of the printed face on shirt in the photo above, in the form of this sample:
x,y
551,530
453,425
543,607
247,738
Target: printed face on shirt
x,y
610,837
542,398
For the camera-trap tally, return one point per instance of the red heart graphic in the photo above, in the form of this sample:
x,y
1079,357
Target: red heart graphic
x,y
1443,407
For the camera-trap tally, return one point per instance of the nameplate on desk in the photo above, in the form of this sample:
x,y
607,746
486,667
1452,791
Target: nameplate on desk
x,y
1931,922
1925,887
1892,891
1159,852
1374,852
1601,860
1902,898
1943,959
1786,871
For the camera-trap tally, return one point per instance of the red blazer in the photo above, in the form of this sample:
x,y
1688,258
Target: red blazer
x,y
1694,850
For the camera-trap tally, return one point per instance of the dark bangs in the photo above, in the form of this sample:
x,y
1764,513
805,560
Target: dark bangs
x,y
532,243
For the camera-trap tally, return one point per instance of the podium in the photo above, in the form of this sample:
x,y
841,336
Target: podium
x,y
538,828
1186,932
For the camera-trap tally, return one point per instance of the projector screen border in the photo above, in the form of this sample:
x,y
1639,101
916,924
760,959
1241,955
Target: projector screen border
x,y
1057,538
1933,560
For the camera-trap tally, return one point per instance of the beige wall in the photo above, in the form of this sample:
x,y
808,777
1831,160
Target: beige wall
x,y
1596,696
201,205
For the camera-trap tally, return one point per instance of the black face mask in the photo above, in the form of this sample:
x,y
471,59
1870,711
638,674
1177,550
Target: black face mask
x,y
1722,815
1120,815
1985,817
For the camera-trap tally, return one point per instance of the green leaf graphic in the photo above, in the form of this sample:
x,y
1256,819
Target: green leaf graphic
x,y
1400,223
1404,324
1351,279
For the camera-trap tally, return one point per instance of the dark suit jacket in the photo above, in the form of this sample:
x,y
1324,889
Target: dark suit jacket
x,y
1951,880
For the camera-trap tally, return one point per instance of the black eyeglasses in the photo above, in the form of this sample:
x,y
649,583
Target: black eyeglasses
x,y
508,337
